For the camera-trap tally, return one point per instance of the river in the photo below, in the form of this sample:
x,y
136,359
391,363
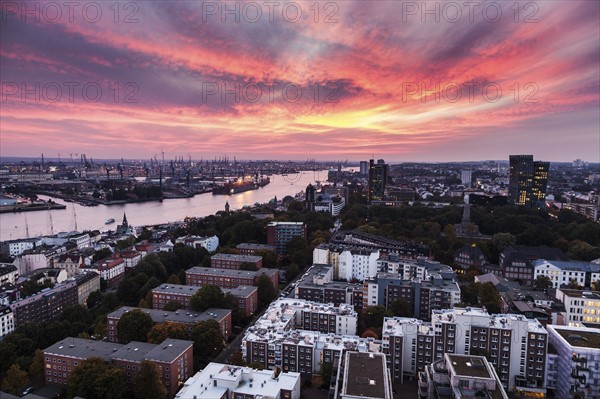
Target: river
x,y
13,225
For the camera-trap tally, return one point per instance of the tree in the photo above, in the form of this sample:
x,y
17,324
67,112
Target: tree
x,y
172,306
36,369
209,296
95,379
266,292
401,308
15,381
161,331
101,254
134,326
574,285
110,384
269,258
173,279
148,384
326,371
94,299
372,317
503,241
596,285
208,340
542,282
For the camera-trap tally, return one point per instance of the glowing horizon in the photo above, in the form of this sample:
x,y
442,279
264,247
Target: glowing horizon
x,y
297,80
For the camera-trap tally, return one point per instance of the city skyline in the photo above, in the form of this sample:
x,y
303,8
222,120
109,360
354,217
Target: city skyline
x,y
346,80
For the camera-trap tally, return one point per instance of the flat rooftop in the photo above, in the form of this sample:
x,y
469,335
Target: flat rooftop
x,y
180,316
580,337
83,348
168,350
209,271
237,258
469,366
255,247
365,375
581,294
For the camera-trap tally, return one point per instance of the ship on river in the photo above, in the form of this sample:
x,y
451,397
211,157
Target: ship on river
x,y
240,185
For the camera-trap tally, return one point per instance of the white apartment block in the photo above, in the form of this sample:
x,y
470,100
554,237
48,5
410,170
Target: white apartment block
x,y
563,272
581,307
573,361
9,274
17,247
82,240
349,262
209,243
7,321
358,264
288,314
218,380
516,346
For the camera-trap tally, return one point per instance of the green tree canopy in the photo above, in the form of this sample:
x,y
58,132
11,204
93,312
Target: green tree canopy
x,y
161,331
148,383
134,326
15,381
95,379
208,340
266,292
209,296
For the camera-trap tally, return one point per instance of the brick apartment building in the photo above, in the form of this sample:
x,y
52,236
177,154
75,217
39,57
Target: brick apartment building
x,y
233,261
173,357
46,305
227,278
247,248
246,296
187,318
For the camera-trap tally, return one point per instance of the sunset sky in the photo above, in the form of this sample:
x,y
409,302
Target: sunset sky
x,y
325,80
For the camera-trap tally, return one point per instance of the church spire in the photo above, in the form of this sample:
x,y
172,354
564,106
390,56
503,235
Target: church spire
x,y
125,220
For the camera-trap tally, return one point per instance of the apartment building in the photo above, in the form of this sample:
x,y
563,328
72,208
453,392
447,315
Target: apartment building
x,y
246,296
573,361
209,243
422,296
174,359
46,305
460,376
364,375
317,285
86,284
219,380
112,270
7,321
247,248
517,346
233,261
516,262
349,262
561,273
280,233
187,318
582,308
70,262
9,274
299,350
228,278
15,248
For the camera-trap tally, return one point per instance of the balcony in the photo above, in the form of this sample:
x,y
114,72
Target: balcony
x,y
579,359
